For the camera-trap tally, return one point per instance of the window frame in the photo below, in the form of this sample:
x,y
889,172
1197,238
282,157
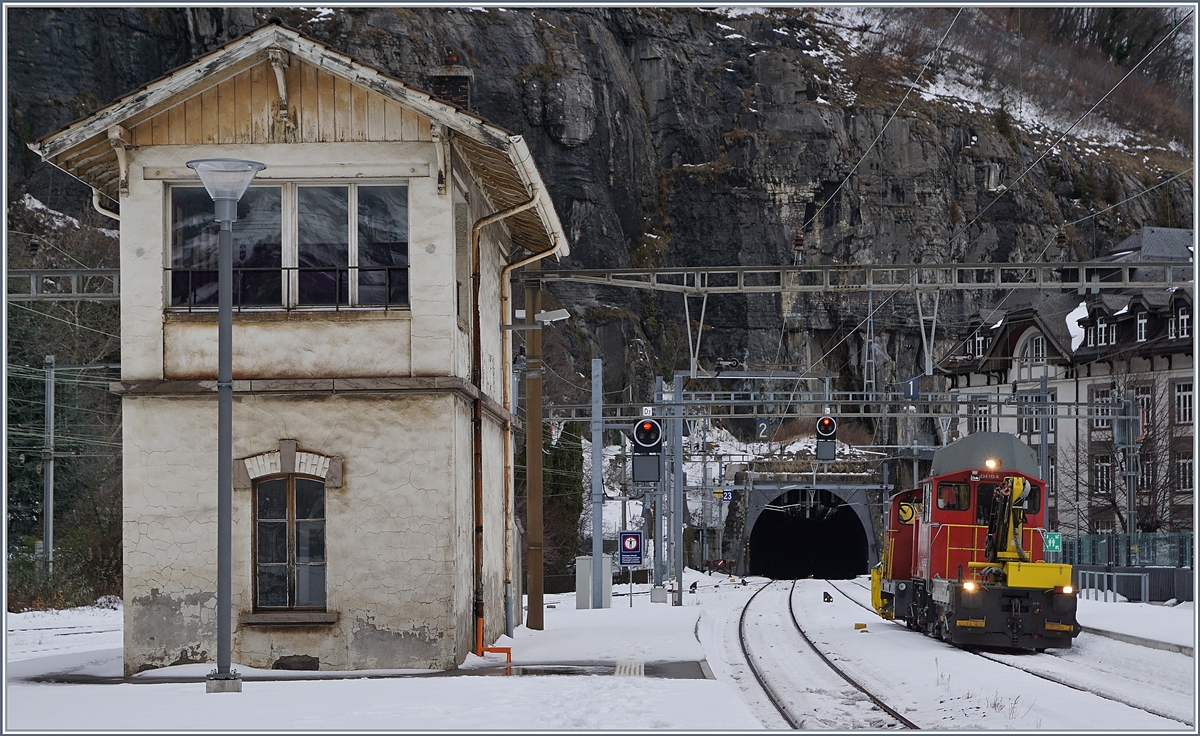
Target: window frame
x,y
290,248
962,494
1102,474
1140,324
1184,316
292,543
1102,419
1182,403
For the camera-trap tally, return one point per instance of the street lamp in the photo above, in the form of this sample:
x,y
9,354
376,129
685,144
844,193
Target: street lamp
x,y
226,180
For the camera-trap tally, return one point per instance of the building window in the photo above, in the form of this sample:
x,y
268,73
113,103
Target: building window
x,y
1185,322
1146,473
1052,474
1171,328
295,246
289,543
979,417
257,248
1140,333
1102,478
1183,402
1144,395
1102,331
1091,336
1184,472
1037,346
1029,412
1101,397
982,343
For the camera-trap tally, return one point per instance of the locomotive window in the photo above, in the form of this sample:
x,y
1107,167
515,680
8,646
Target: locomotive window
x,y
954,496
983,503
984,500
1033,499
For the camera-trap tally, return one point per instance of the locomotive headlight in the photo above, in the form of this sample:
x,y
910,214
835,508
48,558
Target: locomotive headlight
x,y
991,463
969,586
1068,589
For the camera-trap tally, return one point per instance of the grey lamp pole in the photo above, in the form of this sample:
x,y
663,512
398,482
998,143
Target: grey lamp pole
x,y
226,180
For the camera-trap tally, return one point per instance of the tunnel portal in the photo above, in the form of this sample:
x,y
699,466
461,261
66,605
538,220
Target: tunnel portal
x,y
805,533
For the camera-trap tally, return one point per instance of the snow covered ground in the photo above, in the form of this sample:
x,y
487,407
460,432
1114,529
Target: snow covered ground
x,y
934,684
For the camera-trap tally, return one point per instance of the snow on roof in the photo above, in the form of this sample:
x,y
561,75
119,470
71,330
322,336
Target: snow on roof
x,y
1073,327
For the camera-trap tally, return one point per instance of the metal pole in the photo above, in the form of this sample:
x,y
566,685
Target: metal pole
x,y
677,478
535,616
659,540
48,472
1043,429
1131,459
224,444
597,481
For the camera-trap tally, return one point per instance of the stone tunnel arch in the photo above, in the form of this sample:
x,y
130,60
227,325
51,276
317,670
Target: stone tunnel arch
x,y
795,531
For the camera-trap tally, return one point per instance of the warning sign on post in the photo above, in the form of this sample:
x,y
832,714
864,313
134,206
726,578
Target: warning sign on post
x,y
631,549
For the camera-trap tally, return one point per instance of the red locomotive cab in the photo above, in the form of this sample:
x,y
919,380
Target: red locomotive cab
x,y
903,510
953,534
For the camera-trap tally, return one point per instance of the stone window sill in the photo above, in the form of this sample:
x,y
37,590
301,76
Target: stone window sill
x,y
289,618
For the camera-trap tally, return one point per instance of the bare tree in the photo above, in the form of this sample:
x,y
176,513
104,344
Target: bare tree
x,y
1105,475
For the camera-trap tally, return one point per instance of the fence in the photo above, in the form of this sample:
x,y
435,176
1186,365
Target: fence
x,y
566,583
1097,584
1170,549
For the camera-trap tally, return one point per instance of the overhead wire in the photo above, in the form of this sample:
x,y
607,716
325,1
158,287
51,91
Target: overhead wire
x,y
901,287
882,130
65,321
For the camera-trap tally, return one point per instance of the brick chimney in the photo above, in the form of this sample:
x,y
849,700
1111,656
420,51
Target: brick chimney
x,y
452,82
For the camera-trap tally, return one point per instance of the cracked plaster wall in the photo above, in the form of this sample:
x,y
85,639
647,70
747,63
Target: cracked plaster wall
x,y
398,533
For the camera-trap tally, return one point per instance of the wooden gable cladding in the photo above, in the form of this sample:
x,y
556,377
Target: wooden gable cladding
x,y
322,108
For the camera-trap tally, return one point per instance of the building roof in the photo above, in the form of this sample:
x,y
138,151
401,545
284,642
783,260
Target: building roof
x,y
1155,244
91,149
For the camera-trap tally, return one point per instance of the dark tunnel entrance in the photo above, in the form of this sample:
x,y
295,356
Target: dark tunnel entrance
x,y
806,533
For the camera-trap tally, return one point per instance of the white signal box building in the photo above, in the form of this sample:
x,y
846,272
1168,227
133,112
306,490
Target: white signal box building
x,y
373,475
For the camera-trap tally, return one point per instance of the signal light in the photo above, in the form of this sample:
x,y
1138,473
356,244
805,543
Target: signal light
x,y
826,445
647,437
968,585
1068,590
826,426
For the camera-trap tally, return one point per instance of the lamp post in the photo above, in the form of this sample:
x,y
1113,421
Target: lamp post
x,y
226,180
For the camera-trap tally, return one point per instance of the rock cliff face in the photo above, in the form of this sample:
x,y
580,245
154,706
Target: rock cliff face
x,y
670,137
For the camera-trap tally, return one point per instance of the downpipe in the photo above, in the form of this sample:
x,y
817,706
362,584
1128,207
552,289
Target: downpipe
x,y
477,419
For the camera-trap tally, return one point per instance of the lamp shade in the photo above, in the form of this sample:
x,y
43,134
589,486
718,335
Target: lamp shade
x,y
226,178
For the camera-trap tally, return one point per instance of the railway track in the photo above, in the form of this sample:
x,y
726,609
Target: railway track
x,y
843,709
1042,675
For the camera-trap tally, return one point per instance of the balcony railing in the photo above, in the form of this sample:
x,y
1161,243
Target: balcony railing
x,y
303,287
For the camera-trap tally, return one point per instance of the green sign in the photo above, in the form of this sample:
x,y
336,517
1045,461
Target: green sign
x,y
1052,542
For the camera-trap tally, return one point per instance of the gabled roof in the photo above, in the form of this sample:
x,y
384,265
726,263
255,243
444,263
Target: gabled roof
x,y
92,149
1155,244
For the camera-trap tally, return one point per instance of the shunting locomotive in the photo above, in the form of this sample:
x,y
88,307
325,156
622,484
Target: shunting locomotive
x,y
963,558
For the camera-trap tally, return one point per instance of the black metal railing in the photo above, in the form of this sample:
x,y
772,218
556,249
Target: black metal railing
x,y
293,287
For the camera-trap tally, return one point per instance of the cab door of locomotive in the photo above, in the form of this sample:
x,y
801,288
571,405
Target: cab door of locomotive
x,y
924,532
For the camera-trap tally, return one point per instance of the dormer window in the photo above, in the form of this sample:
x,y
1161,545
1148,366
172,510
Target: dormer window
x,y
1091,336
1033,353
1140,327
1184,315
1102,331
981,344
